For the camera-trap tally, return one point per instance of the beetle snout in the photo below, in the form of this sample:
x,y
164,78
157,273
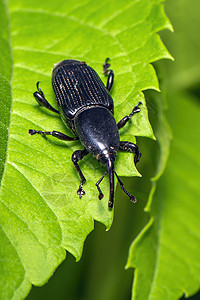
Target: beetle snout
x,y
106,155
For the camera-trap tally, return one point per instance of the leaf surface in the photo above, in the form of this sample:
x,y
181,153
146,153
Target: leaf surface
x,y
41,214
166,253
183,44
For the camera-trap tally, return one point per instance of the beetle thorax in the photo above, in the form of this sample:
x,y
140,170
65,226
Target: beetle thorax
x,y
98,132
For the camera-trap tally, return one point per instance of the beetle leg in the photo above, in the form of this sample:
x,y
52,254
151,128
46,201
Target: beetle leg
x,y
76,156
41,100
101,195
131,147
109,74
57,134
132,198
123,121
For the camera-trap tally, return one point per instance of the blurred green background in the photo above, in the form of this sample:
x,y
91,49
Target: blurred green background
x,y
100,273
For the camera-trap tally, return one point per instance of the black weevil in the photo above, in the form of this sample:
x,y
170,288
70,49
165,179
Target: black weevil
x,y
87,108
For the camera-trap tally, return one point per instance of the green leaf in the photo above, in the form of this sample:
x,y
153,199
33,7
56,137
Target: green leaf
x,y
5,88
183,44
166,253
41,214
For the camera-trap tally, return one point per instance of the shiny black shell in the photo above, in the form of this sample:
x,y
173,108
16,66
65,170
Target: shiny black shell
x,y
77,87
98,132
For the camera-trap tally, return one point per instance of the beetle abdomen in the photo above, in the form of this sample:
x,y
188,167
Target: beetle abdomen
x,y
77,85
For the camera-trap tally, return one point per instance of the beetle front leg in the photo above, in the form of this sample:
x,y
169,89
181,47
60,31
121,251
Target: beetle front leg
x,y
108,73
41,100
57,134
131,147
76,156
123,121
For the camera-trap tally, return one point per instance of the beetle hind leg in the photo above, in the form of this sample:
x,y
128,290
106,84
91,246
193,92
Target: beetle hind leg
x,y
109,73
124,120
41,100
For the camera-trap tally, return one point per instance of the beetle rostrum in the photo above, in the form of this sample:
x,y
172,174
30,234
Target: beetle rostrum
x,y
86,107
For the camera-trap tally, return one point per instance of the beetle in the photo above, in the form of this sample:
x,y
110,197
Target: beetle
x,y
86,107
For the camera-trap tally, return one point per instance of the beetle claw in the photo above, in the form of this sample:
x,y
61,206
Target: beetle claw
x,y
133,199
106,66
81,191
31,131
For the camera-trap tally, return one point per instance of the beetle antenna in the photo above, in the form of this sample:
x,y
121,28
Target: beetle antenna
x,y
111,171
101,195
132,198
